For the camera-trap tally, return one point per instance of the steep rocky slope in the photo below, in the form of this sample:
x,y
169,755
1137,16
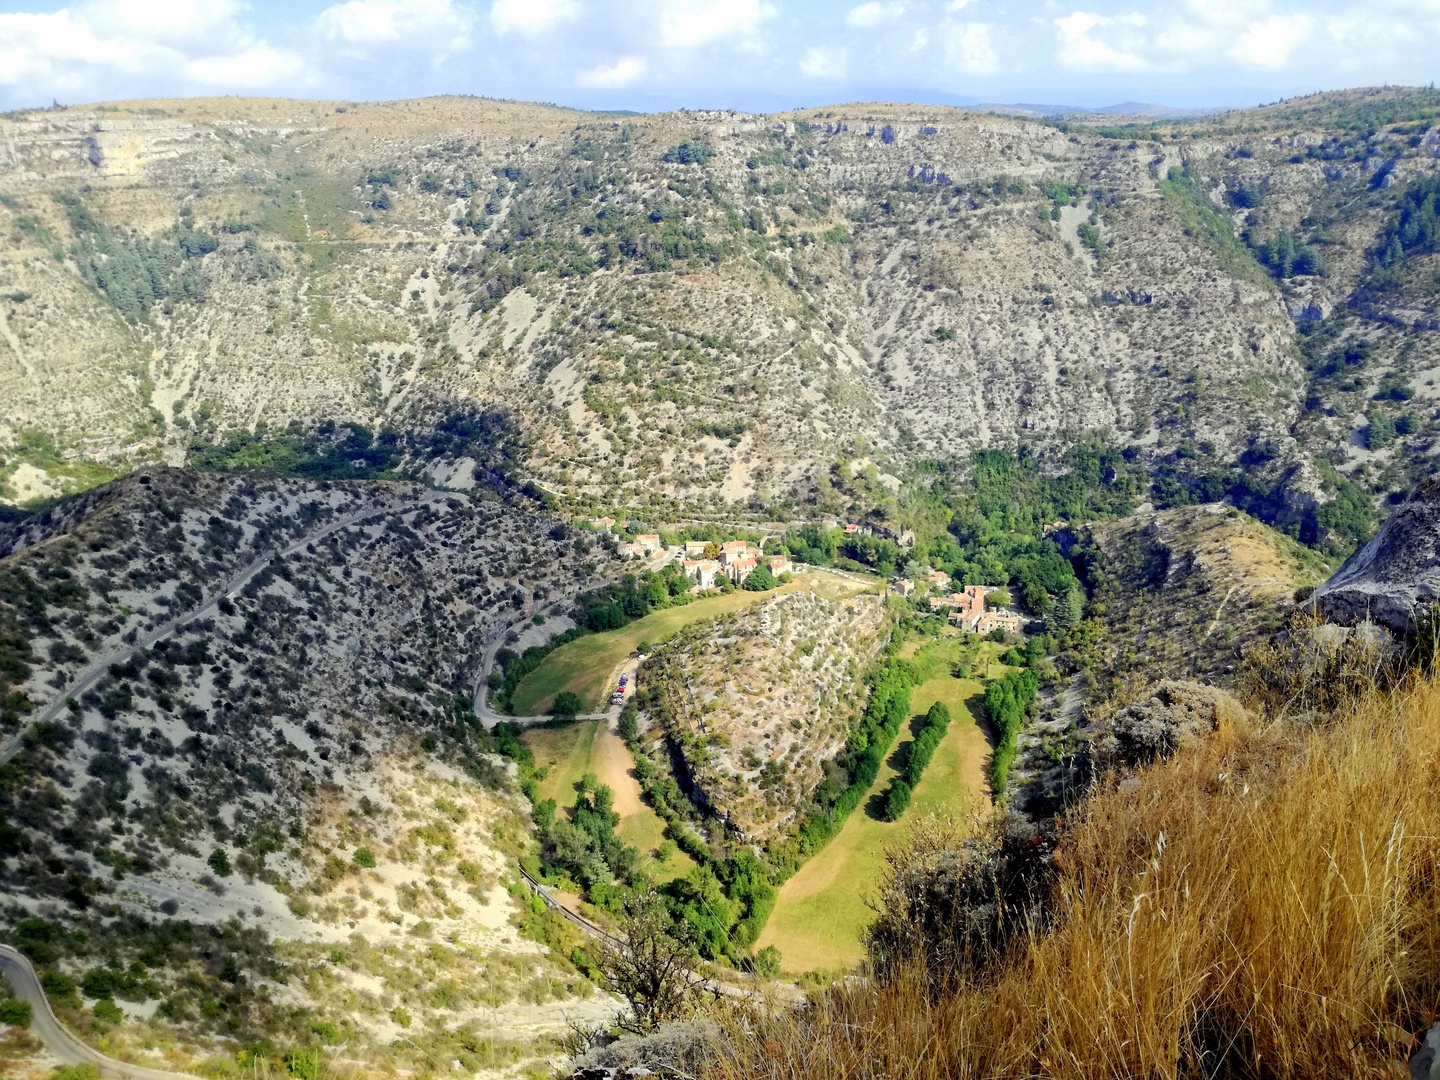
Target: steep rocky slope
x,y
750,708
701,306
1181,593
250,772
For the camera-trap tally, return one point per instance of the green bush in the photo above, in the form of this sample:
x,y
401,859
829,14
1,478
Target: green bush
x,y
302,1064
87,1071
1006,701
767,962
567,703
400,1015
57,984
760,580
108,1011
15,1012
219,861
897,801
365,858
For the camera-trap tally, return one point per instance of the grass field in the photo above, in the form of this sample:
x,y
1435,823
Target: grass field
x,y
585,666
817,922
590,747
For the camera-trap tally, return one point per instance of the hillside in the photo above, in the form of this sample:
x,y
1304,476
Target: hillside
x,y
752,706
1182,593
251,781
690,308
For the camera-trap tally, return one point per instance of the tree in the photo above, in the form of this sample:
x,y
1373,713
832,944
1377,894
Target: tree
x,y
897,801
1066,613
219,861
997,598
15,1012
1380,431
567,704
648,966
760,580
767,962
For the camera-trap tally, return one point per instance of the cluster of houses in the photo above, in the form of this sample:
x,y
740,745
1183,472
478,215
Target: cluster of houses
x,y
965,609
736,558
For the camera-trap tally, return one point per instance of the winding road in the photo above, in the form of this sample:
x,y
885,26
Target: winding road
x,y
489,717
62,1044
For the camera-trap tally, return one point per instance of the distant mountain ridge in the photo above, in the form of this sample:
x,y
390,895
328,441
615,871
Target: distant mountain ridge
x,y
1125,108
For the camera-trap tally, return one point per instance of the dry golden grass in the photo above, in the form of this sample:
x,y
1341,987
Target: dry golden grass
x,y
1262,905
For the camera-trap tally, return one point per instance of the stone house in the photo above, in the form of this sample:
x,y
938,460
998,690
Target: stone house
x,y
702,571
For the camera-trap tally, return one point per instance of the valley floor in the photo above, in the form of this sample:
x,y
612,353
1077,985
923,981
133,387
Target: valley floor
x,y
593,746
821,912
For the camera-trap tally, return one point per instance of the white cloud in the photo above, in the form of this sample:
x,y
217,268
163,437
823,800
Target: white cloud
x,y
260,68
531,16
956,6
122,48
1080,50
168,21
823,62
1269,43
623,72
970,48
874,15
698,22
435,25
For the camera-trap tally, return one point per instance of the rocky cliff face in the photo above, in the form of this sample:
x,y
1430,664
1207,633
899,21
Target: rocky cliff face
x,y
1393,580
688,307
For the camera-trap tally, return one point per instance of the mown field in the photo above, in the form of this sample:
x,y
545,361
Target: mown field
x,y
817,922
585,666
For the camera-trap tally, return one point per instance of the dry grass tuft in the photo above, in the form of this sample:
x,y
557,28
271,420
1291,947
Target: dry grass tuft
x,y
1263,904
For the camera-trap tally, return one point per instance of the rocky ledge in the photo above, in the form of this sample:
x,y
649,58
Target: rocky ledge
x,y
1395,578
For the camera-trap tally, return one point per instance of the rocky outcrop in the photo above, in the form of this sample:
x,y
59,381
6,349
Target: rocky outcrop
x,y
1159,725
1395,578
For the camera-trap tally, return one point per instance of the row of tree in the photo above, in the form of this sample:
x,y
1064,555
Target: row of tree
x,y
928,730
1007,701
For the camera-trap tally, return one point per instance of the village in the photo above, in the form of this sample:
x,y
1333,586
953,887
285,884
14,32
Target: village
x,y
974,609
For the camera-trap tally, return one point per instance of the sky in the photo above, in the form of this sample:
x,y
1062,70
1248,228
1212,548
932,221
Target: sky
x,y
755,55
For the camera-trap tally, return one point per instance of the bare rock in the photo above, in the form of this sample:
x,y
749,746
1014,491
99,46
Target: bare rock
x,y
1425,1061
1159,725
1395,578
682,1046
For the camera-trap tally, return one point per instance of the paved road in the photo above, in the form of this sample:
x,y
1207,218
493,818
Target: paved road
x,y
489,717
61,1043
92,674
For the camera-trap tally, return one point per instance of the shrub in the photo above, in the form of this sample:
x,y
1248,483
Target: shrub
x,y
302,1064
767,962
689,153
365,858
400,1015
897,801
108,1011
567,704
219,861
57,984
15,1012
